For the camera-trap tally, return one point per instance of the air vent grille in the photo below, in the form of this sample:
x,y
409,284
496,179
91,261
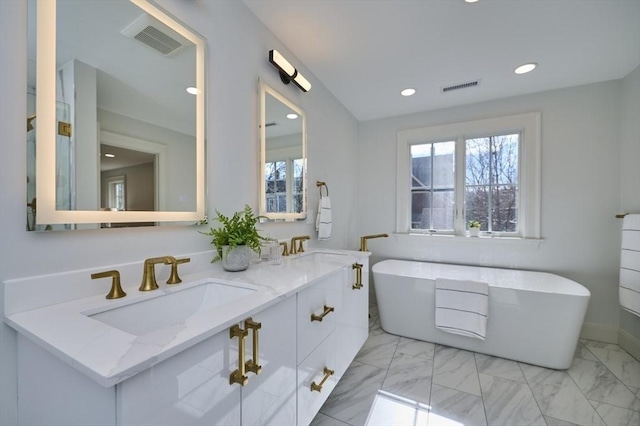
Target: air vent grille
x,y
156,39
270,124
155,35
461,86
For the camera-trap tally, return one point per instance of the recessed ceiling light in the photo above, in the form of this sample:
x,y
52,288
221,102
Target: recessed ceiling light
x,y
408,92
471,1
193,90
110,155
525,68
292,116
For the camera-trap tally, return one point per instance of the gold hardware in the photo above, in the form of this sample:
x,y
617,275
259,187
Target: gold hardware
x,y
238,375
363,240
299,239
149,273
318,388
174,278
64,129
253,365
320,317
358,285
285,252
116,291
621,216
320,184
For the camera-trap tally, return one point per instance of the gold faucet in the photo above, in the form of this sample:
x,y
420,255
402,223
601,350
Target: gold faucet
x,y
364,238
149,273
285,252
299,239
173,277
116,289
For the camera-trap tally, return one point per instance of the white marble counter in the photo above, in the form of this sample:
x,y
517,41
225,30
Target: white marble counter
x,y
109,355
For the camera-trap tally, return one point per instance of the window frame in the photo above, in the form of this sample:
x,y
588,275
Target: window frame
x,y
529,127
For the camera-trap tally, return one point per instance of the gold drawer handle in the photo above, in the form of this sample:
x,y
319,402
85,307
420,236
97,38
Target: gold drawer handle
x,y
320,317
327,373
358,285
253,365
238,375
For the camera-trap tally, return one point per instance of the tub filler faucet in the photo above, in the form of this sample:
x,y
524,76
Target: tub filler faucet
x,y
364,238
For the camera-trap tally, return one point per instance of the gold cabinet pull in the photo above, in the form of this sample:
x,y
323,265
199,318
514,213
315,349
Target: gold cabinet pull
x,y
238,375
320,317
358,285
327,373
253,365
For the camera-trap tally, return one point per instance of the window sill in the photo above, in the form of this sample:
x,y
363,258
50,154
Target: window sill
x,y
459,239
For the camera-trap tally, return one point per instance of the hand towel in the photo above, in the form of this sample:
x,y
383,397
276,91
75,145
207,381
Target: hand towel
x,y
629,290
462,307
323,218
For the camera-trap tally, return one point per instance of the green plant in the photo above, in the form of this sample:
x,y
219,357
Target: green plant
x,y
237,230
474,224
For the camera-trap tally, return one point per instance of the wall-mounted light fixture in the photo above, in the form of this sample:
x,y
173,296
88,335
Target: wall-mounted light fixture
x,y
288,73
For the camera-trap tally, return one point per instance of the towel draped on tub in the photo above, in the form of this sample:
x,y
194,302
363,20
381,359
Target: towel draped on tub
x,y
462,307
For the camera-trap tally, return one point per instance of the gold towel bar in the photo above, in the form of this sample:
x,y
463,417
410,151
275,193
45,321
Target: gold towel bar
x,y
320,184
620,216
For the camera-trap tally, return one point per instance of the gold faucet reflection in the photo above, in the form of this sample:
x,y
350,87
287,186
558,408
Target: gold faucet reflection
x,y
364,238
293,249
149,273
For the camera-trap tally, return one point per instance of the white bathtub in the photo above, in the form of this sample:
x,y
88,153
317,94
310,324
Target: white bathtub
x,y
534,317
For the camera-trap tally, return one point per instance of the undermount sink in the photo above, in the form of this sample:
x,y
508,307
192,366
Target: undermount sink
x,y
170,309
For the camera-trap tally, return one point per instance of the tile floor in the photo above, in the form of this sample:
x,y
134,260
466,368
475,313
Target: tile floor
x,y
399,381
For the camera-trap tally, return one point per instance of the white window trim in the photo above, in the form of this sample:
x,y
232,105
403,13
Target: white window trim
x,y
529,124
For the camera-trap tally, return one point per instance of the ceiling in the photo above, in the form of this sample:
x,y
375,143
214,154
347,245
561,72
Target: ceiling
x,y
366,51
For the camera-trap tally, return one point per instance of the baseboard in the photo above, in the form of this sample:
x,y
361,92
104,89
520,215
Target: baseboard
x,y
599,333
629,343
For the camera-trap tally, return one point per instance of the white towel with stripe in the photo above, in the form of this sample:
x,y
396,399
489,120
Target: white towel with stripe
x,y
462,307
323,218
629,290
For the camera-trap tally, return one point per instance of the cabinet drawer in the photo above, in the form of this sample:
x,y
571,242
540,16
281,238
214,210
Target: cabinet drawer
x,y
312,370
318,308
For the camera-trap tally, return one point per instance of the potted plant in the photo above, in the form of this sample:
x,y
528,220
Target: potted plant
x,y
235,239
474,228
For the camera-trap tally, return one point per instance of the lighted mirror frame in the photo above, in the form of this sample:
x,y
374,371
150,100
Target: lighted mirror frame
x,y
46,112
264,89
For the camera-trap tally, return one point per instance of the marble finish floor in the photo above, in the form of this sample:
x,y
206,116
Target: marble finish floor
x,y
399,381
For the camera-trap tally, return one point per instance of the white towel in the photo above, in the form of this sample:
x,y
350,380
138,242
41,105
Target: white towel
x,y
323,219
462,307
629,290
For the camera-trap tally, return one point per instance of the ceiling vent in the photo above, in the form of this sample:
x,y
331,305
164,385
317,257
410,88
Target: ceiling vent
x,y
273,123
466,85
155,35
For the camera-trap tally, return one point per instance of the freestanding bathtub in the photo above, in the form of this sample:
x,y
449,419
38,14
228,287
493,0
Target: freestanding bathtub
x,y
534,317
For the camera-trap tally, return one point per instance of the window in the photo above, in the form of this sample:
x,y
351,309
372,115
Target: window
x,y
486,171
279,191
116,192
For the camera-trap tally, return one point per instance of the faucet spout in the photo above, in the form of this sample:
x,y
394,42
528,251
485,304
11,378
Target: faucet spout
x,y
364,238
149,273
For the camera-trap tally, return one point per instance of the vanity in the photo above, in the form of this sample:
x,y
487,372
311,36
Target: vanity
x,y
262,346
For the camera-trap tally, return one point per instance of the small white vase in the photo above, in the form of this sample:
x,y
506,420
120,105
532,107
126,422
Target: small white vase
x,y
235,259
474,232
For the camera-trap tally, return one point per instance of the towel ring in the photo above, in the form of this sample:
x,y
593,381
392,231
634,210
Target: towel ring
x,y
320,184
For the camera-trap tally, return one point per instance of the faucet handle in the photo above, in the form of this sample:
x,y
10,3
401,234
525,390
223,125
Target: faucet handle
x,y
174,278
285,251
301,241
116,291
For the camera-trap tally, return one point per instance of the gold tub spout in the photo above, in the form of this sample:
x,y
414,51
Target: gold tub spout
x,y
364,238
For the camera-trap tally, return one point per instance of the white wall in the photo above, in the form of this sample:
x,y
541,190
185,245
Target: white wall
x,y
580,162
238,55
630,167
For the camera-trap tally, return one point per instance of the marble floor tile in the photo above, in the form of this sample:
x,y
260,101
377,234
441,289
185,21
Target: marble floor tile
x,y
583,353
616,416
624,366
452,407
390,409
601,345
455,369
351,399
324,420
636,391
597,383
409,377
416,347
378,350
559,397
557,422
499,367
509,403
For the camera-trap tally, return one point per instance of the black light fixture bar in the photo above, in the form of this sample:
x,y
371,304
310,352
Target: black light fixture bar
x,y
288,72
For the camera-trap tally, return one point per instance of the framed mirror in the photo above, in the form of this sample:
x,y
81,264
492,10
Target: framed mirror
x,y
116,118
283,160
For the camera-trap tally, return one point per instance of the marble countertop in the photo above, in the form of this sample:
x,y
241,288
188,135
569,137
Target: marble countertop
x,y
109,355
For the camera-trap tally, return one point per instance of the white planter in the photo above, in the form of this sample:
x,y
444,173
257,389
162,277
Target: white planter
x,y
236,258
474,232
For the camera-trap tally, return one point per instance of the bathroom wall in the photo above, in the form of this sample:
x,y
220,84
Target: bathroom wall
x,y
630,167
237,56
580,196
